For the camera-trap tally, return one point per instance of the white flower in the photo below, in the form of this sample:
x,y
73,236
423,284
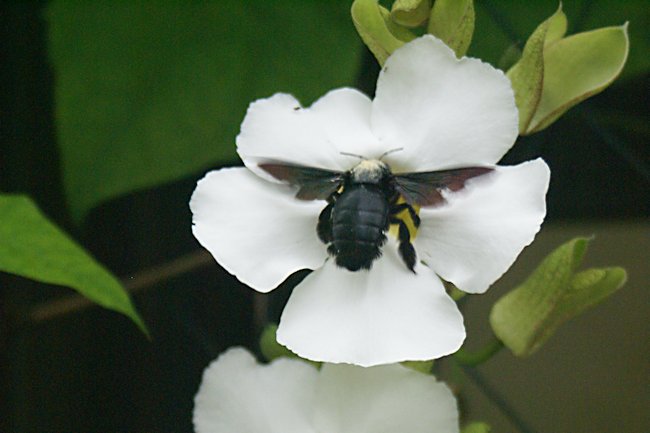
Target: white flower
x,y
237,395
442,113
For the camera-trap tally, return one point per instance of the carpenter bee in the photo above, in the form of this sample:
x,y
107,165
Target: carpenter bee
x,y
363,202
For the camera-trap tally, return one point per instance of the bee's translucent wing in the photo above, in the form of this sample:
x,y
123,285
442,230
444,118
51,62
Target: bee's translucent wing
x,y
313,183
425,188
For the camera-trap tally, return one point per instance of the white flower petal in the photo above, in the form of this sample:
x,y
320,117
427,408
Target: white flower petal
x,y
256,230
384,399
279,128
477,236
237,395
444,112
384,315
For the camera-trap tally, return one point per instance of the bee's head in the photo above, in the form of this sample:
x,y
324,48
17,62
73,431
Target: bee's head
x,y
369,171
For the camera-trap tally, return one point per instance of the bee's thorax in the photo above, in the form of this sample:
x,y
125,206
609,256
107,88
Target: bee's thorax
x,y
369,171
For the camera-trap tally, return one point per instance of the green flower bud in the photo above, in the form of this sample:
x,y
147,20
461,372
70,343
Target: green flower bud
x,y
554,293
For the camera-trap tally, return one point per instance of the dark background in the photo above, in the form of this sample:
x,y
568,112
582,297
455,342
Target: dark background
x,y
91,370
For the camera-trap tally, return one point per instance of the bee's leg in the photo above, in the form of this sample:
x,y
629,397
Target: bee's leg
x,y
397,208
324,226
406,250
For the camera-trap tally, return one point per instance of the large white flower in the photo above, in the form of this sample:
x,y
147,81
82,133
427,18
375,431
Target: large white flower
x,y
237,395
441,113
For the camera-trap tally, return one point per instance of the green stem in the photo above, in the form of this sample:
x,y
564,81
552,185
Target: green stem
x,y
473,359
455,293
499,401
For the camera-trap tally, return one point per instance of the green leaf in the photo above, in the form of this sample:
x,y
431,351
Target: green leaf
x,y
377,29
556,73
410,13
476,427
578,67
637,12
453,22
554,293
527,75
557,25
33,247
502,23
150,92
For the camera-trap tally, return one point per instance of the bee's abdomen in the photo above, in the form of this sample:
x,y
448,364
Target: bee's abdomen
x,y
359,220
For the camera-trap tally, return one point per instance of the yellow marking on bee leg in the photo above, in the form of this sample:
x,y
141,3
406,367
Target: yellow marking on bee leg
x,y
405,216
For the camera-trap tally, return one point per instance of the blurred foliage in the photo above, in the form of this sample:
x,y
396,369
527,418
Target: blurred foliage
x,y
555,292
149,92
35,248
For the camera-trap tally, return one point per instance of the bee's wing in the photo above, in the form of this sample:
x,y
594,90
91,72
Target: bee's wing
x,y
314,183
424,188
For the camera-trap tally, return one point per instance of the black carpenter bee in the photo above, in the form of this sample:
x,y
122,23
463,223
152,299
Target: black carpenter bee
x,y
364,201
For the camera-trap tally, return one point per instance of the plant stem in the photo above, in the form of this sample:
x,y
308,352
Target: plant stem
x,y
134,284
498,400
473,359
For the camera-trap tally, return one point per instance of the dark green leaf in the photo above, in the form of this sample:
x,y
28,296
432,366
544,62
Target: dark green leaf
x,y
576,68
149,92
33,247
